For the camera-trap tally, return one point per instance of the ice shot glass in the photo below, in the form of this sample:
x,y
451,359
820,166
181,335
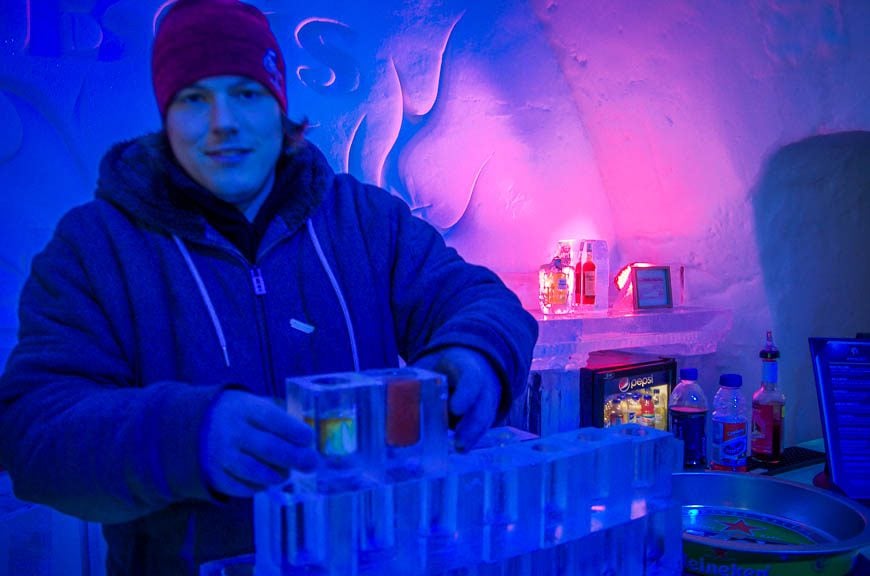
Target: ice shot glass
x,y
656,455
346,411
306,532
415,421
566,487
609,474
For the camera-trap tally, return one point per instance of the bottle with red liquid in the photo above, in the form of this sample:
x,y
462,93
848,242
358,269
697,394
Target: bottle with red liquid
x,y
647,411
768,408
687,410
584,293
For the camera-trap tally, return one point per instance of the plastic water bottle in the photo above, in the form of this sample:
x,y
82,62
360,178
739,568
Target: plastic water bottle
x,y
730,425
687,411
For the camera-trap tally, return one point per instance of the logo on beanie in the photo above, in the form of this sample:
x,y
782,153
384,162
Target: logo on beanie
x,y
270,63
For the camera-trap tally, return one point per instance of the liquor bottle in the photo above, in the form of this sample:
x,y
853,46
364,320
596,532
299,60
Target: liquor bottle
x,y
730,423
566,255
633,410
687,409
585,291
555,287
619,415
768,407
608,411
565,252
659,410
613,411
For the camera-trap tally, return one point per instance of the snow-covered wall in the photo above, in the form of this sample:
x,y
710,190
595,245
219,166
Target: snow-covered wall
x,y
728,136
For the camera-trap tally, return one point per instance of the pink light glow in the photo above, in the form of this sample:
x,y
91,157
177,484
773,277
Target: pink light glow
x,y
624,274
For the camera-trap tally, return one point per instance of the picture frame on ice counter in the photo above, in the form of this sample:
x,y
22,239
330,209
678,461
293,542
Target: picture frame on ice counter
x,y
652,287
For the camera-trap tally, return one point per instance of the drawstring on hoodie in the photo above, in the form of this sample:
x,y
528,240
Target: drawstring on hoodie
x,y
338,293
216,321
205,297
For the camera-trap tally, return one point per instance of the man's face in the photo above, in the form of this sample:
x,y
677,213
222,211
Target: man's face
x,y
226,133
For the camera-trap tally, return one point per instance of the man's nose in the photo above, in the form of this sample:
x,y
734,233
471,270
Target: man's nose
x,y
223,114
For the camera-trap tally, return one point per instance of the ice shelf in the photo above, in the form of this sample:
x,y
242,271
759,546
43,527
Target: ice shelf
x,y
566,340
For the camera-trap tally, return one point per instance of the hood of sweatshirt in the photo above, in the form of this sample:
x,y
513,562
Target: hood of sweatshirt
x,y
140,177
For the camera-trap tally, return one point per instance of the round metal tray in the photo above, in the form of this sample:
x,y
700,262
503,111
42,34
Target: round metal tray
x,y
748,525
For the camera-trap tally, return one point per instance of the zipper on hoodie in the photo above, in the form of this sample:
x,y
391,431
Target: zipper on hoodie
x,y
257,279
259,286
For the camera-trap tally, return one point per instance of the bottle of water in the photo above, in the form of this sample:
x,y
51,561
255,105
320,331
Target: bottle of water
x,y
687,411
730,425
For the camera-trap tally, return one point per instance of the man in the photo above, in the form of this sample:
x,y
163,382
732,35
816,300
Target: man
x,y
219,257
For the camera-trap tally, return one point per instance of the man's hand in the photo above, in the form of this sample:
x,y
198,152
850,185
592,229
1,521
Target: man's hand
x,y
475,391
250,443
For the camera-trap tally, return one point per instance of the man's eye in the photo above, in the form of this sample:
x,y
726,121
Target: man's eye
x,y
190,98
249,93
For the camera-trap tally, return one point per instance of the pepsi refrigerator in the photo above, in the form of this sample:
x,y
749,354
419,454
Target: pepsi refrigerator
x,y
622,386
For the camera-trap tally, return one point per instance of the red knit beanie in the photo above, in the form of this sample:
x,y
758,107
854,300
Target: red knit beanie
x,y
201,38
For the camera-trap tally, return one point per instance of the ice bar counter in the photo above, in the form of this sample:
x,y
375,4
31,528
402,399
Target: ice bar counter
x,y
390,496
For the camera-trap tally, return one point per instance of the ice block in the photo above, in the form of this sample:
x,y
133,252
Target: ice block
x,y
566,486
512,501
306,532
391,535
610,474
346,411
551,403
415,421
656,455
503,436
663,540
454,514
391,497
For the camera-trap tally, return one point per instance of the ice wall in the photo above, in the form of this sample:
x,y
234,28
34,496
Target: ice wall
x,y
692,109
707,133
